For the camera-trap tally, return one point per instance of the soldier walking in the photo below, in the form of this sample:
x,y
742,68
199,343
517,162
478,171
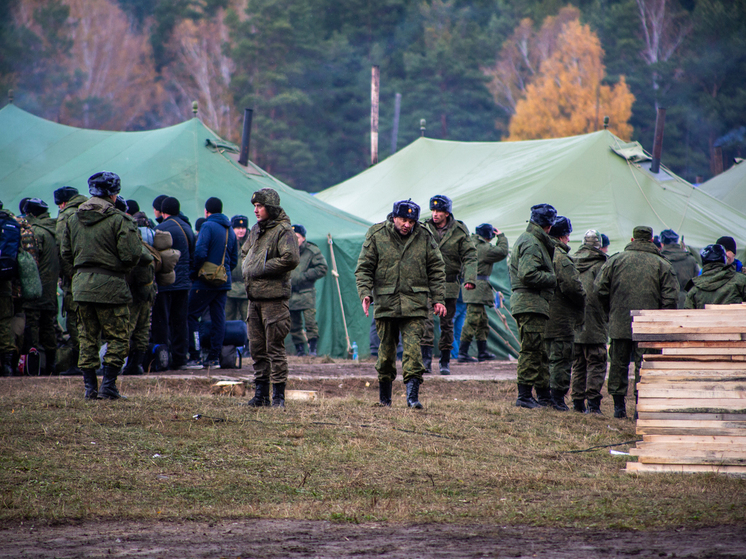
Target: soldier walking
x,y
719,283
399,268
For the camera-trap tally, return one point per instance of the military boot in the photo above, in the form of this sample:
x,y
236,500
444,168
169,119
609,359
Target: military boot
x,y
109,384
7,368
544,397
427,358
413,394
278,395
483,354
384,393
579,405
90,380
312,347
50,362
445,363
261,396
620,407
134,363
73,370
558,400
525,399
594,405
463,353
300,350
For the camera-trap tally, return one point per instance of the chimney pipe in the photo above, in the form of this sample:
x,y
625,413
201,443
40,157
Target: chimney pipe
x,y
716,164
423,124
246,137
395,132
660,123
375,80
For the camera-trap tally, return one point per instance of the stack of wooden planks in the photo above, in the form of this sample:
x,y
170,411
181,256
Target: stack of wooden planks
x,y
692,397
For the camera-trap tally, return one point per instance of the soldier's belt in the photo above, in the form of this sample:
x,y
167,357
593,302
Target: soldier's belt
x,y
104,271
483,277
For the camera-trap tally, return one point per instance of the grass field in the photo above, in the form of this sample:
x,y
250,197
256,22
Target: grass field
x,y
469,457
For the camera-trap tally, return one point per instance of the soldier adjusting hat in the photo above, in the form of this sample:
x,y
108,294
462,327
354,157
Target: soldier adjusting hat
x,y
592,238
104,183
36,206
64,194
406,209
300,230
713,253
642,233
485,230
240,221
669,237
561,227
441,203
543,215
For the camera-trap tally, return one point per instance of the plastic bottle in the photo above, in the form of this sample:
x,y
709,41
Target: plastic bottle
x,y
354,351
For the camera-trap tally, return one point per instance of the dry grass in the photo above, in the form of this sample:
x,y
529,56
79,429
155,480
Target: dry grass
x,y
470,456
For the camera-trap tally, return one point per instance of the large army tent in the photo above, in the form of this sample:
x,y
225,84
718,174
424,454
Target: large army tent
x,y
190,162
729,187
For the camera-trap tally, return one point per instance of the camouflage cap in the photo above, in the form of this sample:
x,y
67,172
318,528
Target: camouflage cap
x,y
642,233
592,238
266,197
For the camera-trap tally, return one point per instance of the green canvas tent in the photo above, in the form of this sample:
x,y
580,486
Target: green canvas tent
x,y
190,162
729,187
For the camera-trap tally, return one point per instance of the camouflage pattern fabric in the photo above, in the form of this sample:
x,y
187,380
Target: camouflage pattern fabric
x,y
269,324
621,353
236,308
458,252
559,353
300,334
238,287
595,328
40,326
71,319
533,363
110,323
567,305
388,330
684,265
588,371
487,256
311,268
476,325
139,325
445,343
532,274
718,285
48,262
6,316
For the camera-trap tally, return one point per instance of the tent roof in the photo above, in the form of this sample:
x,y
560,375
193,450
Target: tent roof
x,y
596,180
730,186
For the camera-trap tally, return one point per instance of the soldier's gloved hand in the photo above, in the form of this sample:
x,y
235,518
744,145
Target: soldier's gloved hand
x,y
469,286
366,305
438,309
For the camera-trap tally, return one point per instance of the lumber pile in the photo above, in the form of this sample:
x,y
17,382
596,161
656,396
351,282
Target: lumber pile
x,y
692,397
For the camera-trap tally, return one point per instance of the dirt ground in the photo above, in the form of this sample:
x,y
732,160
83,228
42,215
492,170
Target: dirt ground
x,y
288,538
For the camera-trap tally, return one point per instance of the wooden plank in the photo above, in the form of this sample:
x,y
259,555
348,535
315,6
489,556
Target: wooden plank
x,y
694,439
735,337
694,365
674,330
676,351
636,468
722,452
677,430
650,376
690,393
693,405
692,344
678,416
665,459
672,448
696,358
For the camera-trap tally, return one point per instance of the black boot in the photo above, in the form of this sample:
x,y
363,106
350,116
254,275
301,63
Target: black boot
x,y
594,405
134,363
91,384
636,416
483,354
50,362
445,363
413,393
544,397
300,350
33,362
261,396
427,358
7,368
463,353
579,405
620,407
312,347
73,370
384,392
558,400
109,384
525,399
278,395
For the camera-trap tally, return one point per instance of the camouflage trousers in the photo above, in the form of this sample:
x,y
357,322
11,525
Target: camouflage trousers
x,y
621,354
269,324
139,325
70,309
559,353
445,344
110,323
411,332
533,364
236,309
40,328
476,326
300,334
7,337
588,371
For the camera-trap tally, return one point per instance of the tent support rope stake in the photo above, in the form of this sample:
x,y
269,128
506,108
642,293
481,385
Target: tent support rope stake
x,y
335,273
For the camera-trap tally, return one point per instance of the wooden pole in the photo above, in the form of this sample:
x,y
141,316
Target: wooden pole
x,y
374,92
395,132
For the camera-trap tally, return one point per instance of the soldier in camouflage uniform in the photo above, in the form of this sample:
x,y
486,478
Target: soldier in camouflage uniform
x,y
684,264
459,256
590,355
533,282
41,314
399,267
312,268
482,296
637,278
101,244
7,346
68,200
270,254
719,283
237,305
566,314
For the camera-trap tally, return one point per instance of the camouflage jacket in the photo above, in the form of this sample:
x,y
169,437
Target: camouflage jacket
x,y
141,279
718,285
588,261
684,265
532,276
487,255
48,262
312,267
102,245
70,208
270,254
458,252
238,287
637,278
400,273
28,244
567,305
6,286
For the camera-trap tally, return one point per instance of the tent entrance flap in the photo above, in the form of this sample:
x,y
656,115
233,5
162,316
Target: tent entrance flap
x,y
632,152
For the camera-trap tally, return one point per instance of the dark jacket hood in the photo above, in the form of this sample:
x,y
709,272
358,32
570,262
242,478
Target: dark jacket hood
x,y
714,276
95,210
220,219
674,253
586,257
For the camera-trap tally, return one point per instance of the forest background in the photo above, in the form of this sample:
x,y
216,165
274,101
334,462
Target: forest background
x,y
475,70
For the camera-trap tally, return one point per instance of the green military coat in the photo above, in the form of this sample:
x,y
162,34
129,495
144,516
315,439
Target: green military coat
x,y
532,276
637,278
312,267
487,255
400,273
567,305
43,227
458,252
70,208
718,285
102,245
238,287
595,330
684,265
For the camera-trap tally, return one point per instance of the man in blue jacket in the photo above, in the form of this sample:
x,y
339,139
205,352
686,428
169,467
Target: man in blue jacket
x,y
217,244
